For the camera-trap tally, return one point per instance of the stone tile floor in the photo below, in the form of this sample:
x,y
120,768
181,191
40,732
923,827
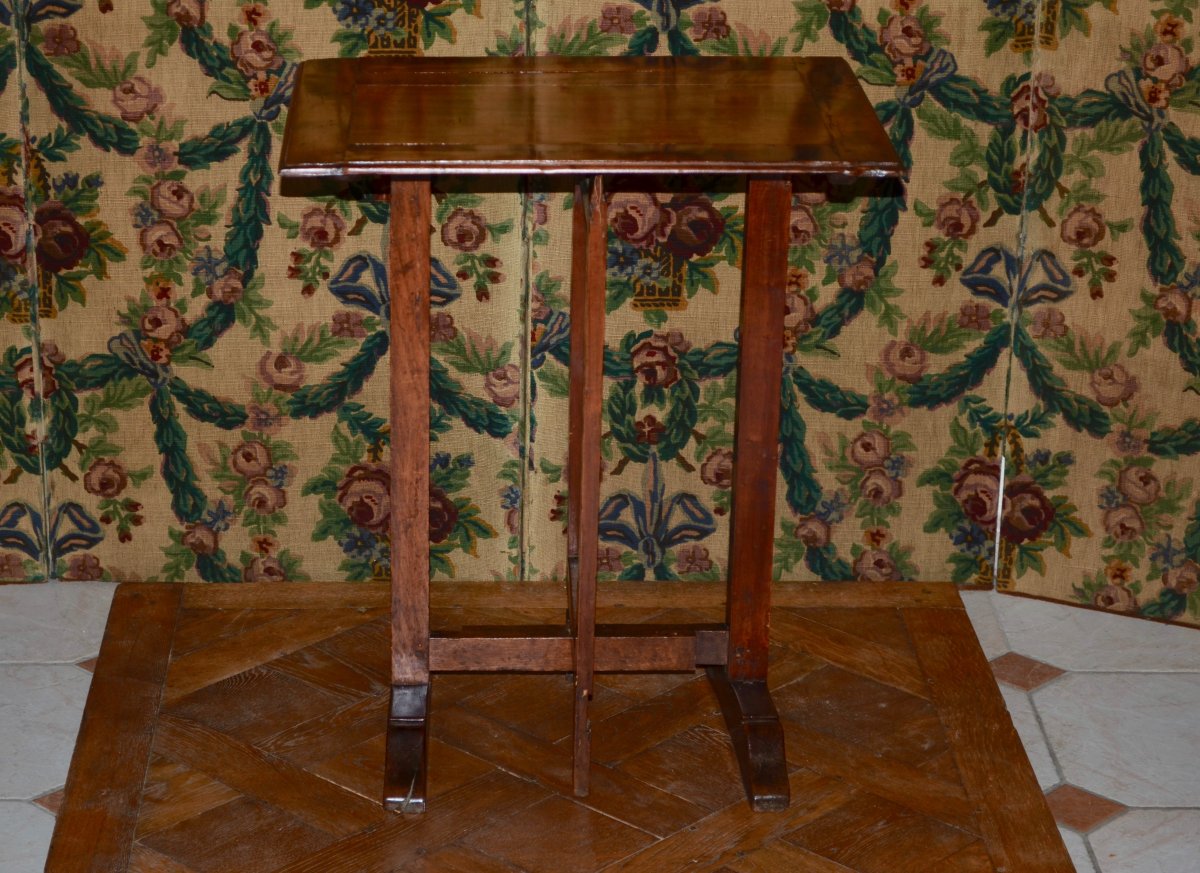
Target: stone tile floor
x,y
1108,709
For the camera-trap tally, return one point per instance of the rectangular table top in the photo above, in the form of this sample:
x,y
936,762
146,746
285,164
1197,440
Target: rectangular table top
x,y
661,115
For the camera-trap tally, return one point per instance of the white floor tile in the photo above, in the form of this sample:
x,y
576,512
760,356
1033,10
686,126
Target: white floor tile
x,y
24,837
1025,721
53,622
982,612
1082,639
1149,841
40,710
1131,737
1077,848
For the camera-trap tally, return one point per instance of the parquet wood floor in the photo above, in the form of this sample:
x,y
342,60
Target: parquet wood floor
x,y
239,729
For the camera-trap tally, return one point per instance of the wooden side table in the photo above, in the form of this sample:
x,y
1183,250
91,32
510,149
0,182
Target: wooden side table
x,y
410,119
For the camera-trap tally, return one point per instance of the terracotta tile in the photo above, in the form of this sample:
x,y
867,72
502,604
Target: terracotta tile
x,y
1081,810
1022,672
89,665
51,801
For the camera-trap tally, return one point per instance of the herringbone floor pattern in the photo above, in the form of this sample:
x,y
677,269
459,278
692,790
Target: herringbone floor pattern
x,y
267,752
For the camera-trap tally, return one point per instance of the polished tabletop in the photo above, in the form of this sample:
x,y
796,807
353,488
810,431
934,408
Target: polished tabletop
x,y
661,115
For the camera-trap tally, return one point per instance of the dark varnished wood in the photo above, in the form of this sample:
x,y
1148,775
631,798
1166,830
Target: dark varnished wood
x,y
208,789
411,119
589,266
488,116
112,752
408,281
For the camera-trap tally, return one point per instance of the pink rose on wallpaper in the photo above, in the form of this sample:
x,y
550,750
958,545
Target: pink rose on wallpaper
x,y
25,373
717,469
1116,598
281,371
1185,578
1167,63
1113,385
14,224
227,289
255,52
1083,227
870,449
106,477
654,362
977,490
859,276
878,488
957,217
1031,101
503,385
803,226
875,565
263,497
172,199
639,219
61,240
1124,523
187,13
617,19
1139,485
264,568
464,230
1174,304
365,494
905,361
903,38
161,240
136,98
798,319
321,228
163,323
812,531
250,459
201,539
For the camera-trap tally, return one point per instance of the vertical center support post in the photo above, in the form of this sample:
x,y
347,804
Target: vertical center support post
x,y
588,269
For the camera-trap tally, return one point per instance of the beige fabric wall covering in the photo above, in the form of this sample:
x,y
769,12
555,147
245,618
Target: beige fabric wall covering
x,y
191,362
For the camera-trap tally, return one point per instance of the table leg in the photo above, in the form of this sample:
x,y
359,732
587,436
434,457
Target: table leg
x,y
742,684
589,266
408,282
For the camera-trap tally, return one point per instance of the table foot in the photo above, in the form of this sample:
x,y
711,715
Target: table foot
x,y
406,757
757,736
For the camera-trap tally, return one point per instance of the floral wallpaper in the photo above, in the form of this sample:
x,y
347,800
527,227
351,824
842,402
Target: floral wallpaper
x,y
991,373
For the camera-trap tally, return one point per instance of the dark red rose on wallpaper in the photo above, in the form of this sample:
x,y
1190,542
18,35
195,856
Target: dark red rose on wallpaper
x,y
61,240
442,515
105,478
1027,511
365,494
698,226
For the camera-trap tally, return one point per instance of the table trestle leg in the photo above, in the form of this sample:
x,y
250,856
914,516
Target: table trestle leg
x,y
589,257
408,282
741,685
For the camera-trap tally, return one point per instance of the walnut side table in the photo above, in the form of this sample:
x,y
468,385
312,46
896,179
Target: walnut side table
x,y
407,120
